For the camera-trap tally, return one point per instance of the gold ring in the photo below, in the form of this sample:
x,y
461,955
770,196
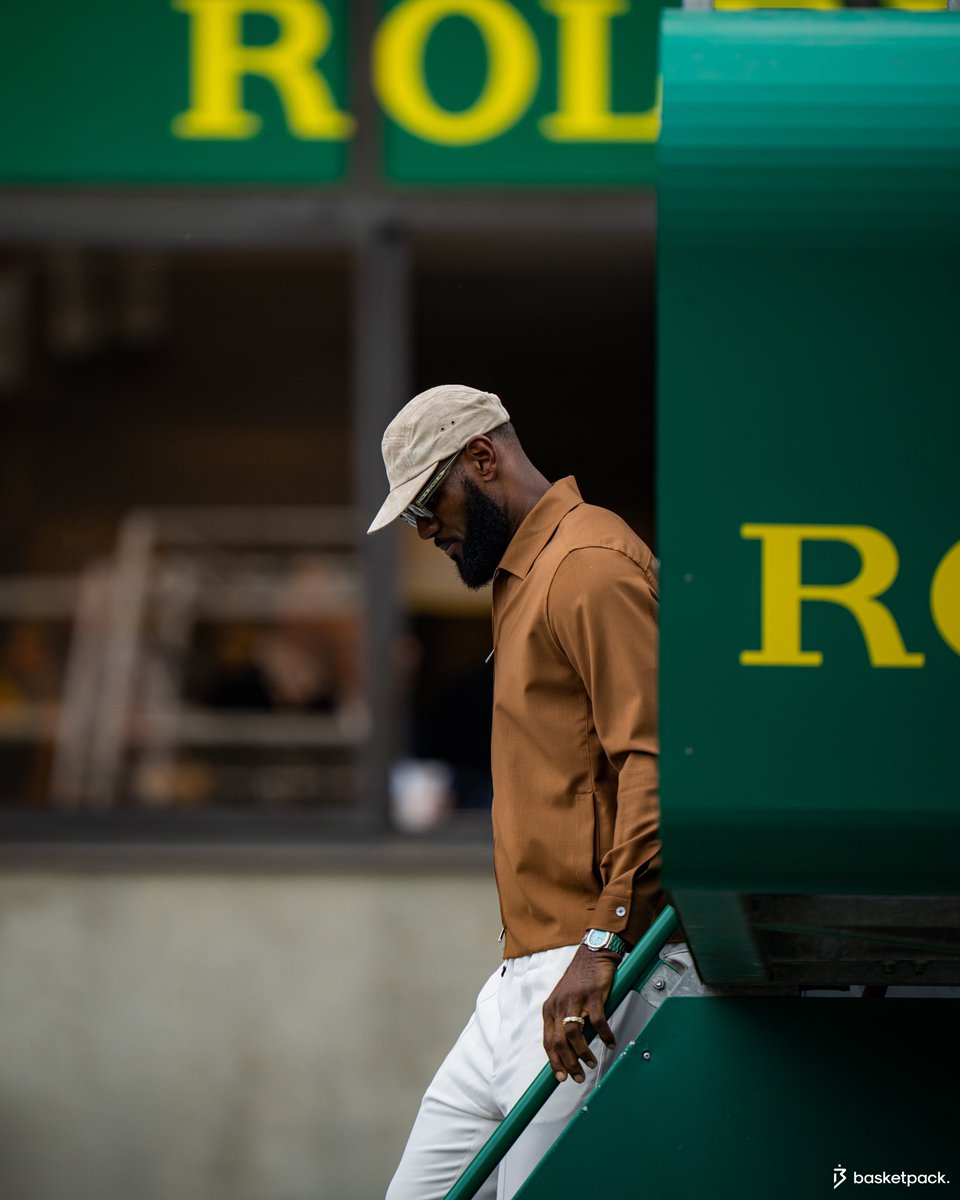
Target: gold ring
x,y
581,1021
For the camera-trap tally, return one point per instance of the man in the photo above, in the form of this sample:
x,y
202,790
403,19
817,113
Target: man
x,y
574,754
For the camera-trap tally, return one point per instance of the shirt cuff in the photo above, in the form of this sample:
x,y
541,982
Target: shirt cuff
x,y
625,915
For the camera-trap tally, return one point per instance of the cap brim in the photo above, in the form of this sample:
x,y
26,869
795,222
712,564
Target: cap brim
x,y
398,499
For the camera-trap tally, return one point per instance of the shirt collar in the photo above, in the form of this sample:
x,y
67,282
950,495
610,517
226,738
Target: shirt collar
x,y
539,526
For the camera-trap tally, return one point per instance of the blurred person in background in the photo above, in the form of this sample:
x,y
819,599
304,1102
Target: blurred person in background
x,y
303,660
575,774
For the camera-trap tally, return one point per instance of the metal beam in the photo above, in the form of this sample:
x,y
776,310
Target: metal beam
x,y
381,385
302,221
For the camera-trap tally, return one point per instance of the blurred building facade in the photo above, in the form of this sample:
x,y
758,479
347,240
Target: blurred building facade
x,y
216,294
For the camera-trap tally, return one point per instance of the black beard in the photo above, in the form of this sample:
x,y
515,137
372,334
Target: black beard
x,y
487,535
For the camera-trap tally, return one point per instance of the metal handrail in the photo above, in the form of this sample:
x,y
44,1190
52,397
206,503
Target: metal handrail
x,y
631,974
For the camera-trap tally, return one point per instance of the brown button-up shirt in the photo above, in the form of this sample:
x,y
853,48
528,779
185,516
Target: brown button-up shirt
x,y
575,769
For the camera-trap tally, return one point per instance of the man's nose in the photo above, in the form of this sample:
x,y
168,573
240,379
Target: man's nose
x,y
427,527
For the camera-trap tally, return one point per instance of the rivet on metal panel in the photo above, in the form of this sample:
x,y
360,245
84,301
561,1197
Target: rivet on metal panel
x,y
646,1054
584,1109
659,984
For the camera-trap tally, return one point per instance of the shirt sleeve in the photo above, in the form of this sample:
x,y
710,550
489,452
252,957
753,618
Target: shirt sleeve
x,y
602,611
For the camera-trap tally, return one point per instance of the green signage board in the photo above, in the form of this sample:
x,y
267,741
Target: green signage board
x,y
174,90
809,186
471,91
526,92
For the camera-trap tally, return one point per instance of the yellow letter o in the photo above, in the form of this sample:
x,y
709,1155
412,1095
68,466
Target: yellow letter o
x,y
399,76
945,597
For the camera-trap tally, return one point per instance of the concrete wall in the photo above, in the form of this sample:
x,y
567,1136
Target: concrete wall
x,y
226,1036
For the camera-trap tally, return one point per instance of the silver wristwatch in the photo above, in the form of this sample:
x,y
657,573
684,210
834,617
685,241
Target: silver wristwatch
x,y
601,939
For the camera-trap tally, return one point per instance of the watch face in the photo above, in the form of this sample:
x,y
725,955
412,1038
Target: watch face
x,y
597,939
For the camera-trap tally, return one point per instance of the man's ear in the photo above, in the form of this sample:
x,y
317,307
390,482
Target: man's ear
x,y
480,459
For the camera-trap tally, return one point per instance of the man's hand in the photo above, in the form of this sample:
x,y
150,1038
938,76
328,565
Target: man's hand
x,y
581,992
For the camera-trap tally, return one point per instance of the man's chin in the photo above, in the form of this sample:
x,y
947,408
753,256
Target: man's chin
x,y
469,575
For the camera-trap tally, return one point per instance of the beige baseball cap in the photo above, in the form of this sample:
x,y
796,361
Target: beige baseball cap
x,y
431,427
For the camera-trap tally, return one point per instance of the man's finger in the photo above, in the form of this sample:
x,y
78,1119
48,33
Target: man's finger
x,y
600,1025
578,1043
571,1062
557,1064
562,1058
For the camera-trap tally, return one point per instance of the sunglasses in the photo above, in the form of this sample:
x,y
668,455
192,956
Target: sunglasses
x,y
418,506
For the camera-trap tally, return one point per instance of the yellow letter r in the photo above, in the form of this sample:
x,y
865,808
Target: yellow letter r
x,y
783,593
219,60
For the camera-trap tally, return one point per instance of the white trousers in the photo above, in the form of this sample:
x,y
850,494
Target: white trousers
x,y
494,1061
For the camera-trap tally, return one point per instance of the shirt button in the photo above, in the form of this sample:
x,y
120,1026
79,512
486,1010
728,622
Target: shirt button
x,y
621,911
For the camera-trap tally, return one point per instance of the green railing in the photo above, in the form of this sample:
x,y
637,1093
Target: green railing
x,y
631,975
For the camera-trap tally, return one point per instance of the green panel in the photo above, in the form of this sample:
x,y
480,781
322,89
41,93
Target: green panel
x,y
809,307
456,67
89,92
759,1098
